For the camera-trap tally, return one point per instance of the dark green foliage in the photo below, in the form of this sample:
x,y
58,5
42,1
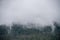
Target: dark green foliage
x,y
18,32
16,29
3,32
47,29
57,31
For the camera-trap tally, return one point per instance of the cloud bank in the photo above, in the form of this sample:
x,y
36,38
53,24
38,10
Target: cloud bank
x,y
43,12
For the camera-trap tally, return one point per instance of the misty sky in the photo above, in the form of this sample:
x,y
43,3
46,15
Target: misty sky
x,y
42,12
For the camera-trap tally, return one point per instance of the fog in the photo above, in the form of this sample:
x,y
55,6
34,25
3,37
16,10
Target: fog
x,y
42,12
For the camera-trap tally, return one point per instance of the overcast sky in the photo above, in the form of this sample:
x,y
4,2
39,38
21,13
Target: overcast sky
x,y
42,12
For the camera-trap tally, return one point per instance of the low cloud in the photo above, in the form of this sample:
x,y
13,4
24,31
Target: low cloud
x,y
43,12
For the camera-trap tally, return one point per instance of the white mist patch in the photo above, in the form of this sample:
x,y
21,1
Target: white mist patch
x,y
42,12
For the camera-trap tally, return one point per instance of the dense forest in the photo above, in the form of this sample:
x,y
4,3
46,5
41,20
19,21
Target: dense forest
x,y
21,32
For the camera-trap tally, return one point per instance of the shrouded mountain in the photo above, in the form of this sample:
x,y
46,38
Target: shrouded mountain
x,y
18,30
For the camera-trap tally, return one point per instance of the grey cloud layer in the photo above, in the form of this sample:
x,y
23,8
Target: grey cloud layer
x,y
29,11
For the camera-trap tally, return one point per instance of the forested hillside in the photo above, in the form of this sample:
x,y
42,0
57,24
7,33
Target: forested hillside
x,y
19,32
